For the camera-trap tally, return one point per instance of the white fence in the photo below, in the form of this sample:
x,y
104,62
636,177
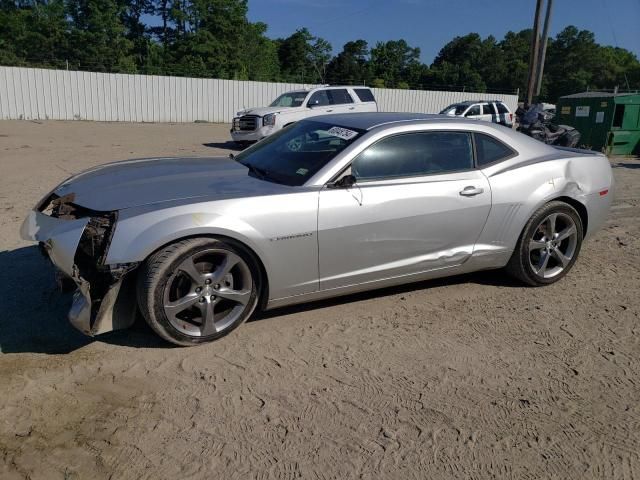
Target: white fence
x,y
40,94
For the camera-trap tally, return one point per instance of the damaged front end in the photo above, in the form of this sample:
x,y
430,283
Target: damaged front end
x,y
76,240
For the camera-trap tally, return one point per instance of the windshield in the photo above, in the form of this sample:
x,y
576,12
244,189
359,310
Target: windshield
x,y
291,99
296,153
455,109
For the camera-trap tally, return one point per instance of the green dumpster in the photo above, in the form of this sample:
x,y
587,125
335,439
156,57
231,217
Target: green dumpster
x,y
608,122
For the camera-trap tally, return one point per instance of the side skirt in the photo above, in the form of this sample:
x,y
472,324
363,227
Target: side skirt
x,y
485,261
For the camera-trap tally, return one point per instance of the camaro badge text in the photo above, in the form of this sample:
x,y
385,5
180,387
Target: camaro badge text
x,y
290,237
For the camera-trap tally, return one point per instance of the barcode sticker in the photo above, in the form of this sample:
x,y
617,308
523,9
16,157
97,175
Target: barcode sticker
x,y
343,133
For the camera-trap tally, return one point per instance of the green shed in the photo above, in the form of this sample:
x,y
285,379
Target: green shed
x,y
606,121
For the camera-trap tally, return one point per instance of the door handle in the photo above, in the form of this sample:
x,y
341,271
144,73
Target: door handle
x,y
351,108
331,110
471,191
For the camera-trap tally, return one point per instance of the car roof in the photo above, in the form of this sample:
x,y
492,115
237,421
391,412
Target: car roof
x,y
346,86
324,87
473,102
330,87
373,120
369,120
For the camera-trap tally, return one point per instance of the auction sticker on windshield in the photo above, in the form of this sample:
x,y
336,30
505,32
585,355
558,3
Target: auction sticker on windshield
x,y
343,133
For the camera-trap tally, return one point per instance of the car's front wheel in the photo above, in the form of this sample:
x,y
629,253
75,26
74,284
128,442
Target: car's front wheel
x,y
199,289
549,245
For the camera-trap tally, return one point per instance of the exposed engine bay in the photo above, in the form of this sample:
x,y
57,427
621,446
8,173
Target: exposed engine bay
x,y
100,303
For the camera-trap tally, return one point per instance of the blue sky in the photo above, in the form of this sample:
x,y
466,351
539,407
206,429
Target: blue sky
x,y
429,24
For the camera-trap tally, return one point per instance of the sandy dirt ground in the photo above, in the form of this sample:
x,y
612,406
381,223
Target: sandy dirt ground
x,y
469,377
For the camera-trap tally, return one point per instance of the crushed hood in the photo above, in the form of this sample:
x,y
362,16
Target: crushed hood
x,y
133,183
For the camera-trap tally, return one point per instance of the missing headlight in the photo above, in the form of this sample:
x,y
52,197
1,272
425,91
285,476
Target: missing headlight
x,y
95,240
63,207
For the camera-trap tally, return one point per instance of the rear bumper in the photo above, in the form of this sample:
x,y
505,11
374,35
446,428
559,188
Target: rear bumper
x,y
97,308
598,207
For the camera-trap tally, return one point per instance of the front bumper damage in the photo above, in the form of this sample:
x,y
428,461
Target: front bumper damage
x,y
252,135
76,241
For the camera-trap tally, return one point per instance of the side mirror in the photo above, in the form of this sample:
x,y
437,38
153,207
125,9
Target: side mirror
x,y
312,105
344,182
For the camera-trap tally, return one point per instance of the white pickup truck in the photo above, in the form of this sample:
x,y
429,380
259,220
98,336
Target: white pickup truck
x,y
254,124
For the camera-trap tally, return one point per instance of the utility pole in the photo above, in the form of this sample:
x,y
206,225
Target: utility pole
x,y
543,50
533,58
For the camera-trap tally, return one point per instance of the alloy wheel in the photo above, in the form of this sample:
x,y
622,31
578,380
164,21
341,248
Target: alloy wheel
x,y
208,292
553,245
295,144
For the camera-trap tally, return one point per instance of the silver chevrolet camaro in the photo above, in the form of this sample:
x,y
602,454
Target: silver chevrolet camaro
x,y
325,207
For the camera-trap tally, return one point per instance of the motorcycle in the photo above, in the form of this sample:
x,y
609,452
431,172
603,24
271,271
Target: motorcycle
x,y
536,123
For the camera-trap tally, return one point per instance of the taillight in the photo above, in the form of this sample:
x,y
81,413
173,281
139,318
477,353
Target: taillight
x,y
604,192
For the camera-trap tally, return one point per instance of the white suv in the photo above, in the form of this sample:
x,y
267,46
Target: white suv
x,y
489,110
254,124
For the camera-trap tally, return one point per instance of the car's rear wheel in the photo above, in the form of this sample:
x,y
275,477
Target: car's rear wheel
x,y
198,290
549,245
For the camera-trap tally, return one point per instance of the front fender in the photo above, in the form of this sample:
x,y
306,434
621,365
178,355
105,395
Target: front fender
x,y
280,229
141,231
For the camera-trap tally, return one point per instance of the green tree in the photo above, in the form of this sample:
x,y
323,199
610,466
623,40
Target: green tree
x,y
136,30
32,33
578,63
97,39
393,61
515,49
214,38
572,56
470,62
351,66
303,57
164,32
259,54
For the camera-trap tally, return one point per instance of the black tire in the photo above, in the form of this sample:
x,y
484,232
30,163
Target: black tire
x,y
162,267
520,265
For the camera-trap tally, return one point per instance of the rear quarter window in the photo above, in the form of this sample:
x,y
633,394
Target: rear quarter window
x,y
502,108
490,150
364,94
339,96
488,109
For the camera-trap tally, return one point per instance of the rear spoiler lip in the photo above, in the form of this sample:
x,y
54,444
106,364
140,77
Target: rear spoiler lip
x,y
580,151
